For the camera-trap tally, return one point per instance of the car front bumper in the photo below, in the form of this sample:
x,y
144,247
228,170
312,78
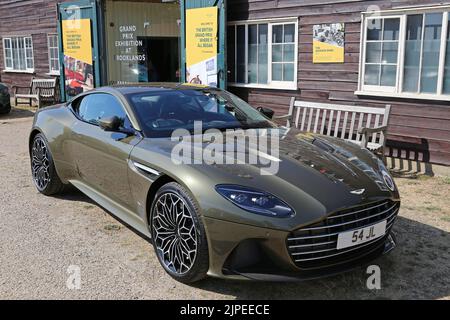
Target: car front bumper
x,y
243,252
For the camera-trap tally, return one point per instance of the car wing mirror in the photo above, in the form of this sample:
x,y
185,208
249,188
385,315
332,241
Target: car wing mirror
x,y
266,112
110,123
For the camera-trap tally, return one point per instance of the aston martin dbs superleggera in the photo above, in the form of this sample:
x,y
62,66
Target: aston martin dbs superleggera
x,y
329,207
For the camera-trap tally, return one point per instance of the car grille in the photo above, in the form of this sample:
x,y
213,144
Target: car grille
x,y
314,246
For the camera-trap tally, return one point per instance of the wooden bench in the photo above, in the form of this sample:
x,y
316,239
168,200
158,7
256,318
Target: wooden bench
x,y
364,126
42,90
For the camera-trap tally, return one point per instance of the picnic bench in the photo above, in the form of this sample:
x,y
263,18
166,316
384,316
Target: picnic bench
x,y
42,90
364,126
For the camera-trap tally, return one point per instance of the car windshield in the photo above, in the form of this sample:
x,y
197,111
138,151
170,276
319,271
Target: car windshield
x,y
162,112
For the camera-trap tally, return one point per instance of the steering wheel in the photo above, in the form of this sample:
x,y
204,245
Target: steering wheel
x,y
164,123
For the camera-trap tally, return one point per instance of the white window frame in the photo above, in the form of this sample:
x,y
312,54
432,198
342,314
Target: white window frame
x,y
397,91
390,89
27,69
283,85
4,53
53,72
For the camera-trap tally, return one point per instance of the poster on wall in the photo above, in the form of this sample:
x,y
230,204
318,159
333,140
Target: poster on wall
x,y
77,47
201,46
328,43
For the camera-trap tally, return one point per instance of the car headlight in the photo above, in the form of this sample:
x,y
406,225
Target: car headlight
x,y
388,180
255,201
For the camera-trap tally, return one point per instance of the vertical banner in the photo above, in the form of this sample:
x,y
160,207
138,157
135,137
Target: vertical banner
x,y
201,46
77,49
328,43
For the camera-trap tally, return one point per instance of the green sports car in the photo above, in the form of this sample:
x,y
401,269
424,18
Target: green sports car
x,y
326,207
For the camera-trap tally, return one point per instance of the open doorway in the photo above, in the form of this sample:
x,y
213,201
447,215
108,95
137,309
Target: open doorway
x,y
142,39
162,59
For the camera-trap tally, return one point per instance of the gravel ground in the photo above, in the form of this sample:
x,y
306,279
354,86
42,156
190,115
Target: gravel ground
x,y
40,237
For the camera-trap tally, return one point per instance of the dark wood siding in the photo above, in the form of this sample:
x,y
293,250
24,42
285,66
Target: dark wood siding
x,y
35,18
418,130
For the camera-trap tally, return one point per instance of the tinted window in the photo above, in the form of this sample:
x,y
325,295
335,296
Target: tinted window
x,y
162,112
101,105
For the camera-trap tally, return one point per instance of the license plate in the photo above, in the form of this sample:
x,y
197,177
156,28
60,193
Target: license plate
x,y
355,237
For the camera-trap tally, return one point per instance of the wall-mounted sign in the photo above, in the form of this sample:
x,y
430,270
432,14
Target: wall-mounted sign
x,y
201,46
126,43
328,43
77,46
130,48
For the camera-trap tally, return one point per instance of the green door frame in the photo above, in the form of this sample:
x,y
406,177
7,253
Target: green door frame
x,y
222,36
87,10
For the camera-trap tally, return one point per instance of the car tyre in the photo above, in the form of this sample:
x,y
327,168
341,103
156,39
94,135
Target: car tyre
x,y
43,169
178,234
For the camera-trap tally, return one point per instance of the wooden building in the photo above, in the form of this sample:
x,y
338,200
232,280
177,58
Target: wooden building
x,y
393,52
29,45
419,127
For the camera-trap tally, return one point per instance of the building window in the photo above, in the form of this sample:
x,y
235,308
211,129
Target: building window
x,y
382,53
263,54
406,54
53,54
18,53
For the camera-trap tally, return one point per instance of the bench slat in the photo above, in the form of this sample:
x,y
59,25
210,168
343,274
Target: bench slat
x,y
360,122
344,125
310,120
316,121
376,124
296,118
338,120
369,121
24,95
328,106
330,122
303,119
324,117
385,123
352,125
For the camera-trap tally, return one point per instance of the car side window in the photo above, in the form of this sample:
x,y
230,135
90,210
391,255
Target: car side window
x,y
95,106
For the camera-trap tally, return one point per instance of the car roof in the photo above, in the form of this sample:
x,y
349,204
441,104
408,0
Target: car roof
x,y
140,87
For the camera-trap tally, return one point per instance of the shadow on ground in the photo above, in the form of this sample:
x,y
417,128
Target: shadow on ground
x,y
418,268
17,113
73,194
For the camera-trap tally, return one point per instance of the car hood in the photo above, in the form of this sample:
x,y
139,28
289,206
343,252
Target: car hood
x,y
322,172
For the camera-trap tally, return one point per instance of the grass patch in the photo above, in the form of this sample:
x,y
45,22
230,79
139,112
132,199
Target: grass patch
x,y
433,208
434,194
112,227
424,177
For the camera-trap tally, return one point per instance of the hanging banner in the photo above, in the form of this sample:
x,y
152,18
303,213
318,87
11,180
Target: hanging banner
x,y
201,46
77,49
328,43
